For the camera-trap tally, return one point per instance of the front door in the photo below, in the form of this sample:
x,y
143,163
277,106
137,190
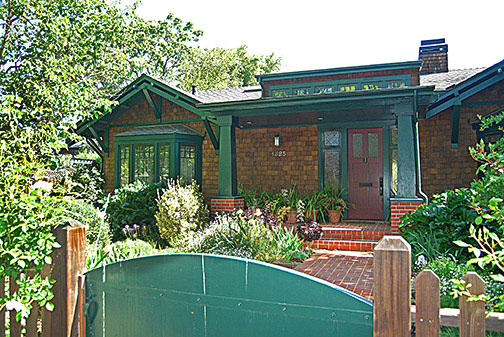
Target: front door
x,y
365,173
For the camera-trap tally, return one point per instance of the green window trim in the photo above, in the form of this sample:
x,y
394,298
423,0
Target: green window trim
x,y
172,141
362,83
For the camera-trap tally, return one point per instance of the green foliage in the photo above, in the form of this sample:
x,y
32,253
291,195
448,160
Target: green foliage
x,y
249,236
60,60
182,212
84,182
135,204
97,229
254,197
219,68
447,269
434,227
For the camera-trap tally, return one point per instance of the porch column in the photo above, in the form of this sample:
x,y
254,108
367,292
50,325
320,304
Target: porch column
x,y
406,200
227,198
406,172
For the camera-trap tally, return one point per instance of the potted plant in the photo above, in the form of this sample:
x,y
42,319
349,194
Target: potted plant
x,y
334,203
292,198
314,203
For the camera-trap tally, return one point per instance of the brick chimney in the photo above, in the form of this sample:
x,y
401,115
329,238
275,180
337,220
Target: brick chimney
x,y
434,54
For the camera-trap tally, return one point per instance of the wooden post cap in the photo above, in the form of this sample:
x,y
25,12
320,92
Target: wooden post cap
x,y
393,243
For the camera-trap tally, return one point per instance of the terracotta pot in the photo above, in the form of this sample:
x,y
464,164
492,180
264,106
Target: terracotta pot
x,y
292,218
334,216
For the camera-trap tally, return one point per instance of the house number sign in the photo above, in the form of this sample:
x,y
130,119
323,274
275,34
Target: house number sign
x,y
279,153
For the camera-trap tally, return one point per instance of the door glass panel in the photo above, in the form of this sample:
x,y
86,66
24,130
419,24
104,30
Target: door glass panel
x,y
393,145
357,145
144,163
164,161
332,167
332,138
372,145
124,165
187,163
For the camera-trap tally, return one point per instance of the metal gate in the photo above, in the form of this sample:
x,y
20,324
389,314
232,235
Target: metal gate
x,y
216,296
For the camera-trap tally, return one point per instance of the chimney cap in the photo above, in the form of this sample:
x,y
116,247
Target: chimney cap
x,y
431,42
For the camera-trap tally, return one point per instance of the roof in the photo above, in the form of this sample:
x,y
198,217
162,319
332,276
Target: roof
x,y
228,94
445,81
171,129
465,88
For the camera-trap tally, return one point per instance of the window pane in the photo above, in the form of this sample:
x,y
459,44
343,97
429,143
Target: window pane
x,y
324,89
372,145
164,161
124,165
331,167
332,138
371,86
187,163
144,163
396,84
393,145
300,91
357,145
347,87
279,92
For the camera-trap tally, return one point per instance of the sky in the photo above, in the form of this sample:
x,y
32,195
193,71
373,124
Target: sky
x,y
329,34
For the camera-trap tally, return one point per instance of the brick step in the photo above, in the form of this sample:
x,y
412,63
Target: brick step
x,y
355,245
352,234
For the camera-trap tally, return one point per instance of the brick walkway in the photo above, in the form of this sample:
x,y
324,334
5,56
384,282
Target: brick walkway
x,y
350,270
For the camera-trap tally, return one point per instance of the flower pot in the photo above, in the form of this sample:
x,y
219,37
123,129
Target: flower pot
x,y
334,216
292,218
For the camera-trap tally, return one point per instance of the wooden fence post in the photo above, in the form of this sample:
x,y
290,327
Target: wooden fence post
x,y
2,312
15,326
427,304
472,314
69,262
392,287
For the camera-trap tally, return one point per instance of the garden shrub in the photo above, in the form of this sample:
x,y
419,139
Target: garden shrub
x,y
249,234
135,204
433,227
182,212
97,229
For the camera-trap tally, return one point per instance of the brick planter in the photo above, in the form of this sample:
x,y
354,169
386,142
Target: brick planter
x,y
399,207
218,205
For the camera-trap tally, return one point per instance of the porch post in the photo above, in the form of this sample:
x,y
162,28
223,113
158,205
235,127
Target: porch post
x,y
406,200
227,198
406,172
227,157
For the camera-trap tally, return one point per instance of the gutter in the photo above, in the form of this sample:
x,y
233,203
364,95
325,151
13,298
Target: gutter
x,y
417,152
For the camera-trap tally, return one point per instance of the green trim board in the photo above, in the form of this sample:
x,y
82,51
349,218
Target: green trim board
x,y
467,88
176,121
341,70
271,105
335,84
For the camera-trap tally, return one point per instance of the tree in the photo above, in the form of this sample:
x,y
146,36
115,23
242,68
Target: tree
x,y
60,61
219,68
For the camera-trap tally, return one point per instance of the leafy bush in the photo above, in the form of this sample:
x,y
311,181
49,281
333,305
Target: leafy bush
x,y
445,219
97,256
447,269
97,230
135,204
309,231
250,236
182,212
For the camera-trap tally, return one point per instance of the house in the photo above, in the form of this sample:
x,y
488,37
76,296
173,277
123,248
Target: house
x,y
365,129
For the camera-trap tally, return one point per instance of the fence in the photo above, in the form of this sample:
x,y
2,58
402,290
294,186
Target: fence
x,y
67,317
392,314
392,298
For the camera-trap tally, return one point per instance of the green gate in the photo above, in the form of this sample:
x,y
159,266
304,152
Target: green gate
x,y
216,296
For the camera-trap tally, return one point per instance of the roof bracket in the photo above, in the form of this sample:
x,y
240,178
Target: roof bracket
x,y
455,121
155,109
211,134
101,145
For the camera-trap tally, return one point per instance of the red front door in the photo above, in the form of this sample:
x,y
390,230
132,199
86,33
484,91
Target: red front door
x,y
365,173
